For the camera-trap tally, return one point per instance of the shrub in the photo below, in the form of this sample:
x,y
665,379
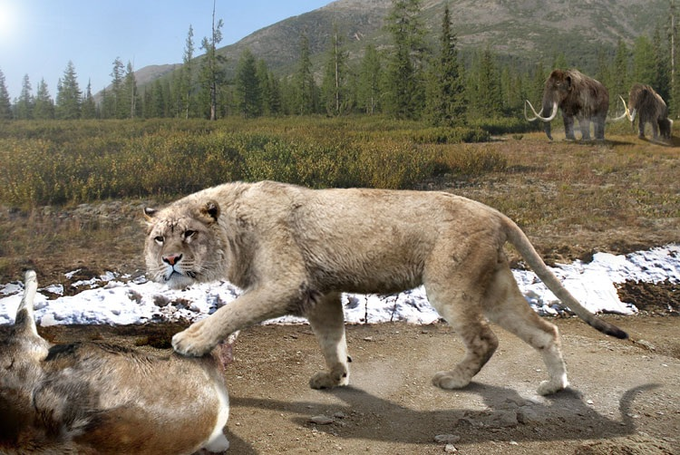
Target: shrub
x,y
72,162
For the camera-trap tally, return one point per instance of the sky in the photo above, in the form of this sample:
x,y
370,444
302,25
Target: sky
x,y
39,37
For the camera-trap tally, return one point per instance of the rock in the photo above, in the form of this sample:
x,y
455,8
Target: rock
x,y
447,438
322,420
501,419
527,415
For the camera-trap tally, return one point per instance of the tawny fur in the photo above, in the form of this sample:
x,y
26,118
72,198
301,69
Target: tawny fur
x,y
97,398
294,250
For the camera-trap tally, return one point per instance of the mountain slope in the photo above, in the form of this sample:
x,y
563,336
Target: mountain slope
x,y
522,30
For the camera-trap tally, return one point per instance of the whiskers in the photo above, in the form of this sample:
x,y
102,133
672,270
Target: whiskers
x,y
186,269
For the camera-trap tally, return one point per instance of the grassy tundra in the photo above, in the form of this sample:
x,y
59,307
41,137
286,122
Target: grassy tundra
x,y
571,198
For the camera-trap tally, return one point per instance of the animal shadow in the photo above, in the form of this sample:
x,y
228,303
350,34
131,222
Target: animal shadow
x,y
505,419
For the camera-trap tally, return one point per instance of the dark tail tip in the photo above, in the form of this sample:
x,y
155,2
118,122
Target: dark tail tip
x,y
618,333
609,329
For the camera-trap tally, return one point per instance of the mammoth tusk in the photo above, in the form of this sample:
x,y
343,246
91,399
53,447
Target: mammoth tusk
x,y
626,112
553,114
537,114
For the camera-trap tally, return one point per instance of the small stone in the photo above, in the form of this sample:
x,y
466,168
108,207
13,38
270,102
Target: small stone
x,y
321,420
447,438
646,344
450,448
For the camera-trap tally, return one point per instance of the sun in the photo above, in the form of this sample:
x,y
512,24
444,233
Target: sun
x,y
8,19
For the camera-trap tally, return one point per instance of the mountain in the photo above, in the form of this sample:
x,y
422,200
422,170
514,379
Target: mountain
x,y
524,31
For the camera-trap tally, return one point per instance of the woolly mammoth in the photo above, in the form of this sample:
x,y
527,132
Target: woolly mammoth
x,y
650,108
576,95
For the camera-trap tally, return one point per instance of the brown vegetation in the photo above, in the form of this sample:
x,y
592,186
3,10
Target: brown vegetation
x,y
572,198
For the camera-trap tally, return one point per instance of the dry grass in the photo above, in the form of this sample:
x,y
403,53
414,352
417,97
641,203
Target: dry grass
x,y
572,199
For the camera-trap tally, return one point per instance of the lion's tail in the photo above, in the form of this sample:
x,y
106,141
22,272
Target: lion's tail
x,y
520,241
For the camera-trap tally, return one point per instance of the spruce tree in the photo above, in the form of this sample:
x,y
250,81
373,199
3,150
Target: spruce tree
x,y
23,108
304,81
334,87
89,107
68,95
405,90
186,77
369,83
445,89
484,87
44,105
661,82
5,104
248,88
130,95
643,61
619,78
212,75
114,106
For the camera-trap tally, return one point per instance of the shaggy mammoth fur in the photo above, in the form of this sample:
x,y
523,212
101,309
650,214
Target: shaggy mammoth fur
x,y
649,107
576,95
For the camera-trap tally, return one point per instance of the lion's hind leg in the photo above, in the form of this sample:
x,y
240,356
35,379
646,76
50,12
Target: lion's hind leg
x,y
328,323
506,306
461,310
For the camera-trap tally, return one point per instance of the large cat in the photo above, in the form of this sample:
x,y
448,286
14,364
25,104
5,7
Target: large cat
x,y
293,250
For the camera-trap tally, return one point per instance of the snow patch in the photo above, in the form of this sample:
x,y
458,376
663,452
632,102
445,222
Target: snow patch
x,y
109,299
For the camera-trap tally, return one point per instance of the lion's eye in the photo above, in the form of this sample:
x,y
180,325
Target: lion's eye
x,y
159,239
188,234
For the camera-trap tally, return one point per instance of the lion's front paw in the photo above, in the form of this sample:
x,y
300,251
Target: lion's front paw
x,y
193,341
450,380
325,380
550,387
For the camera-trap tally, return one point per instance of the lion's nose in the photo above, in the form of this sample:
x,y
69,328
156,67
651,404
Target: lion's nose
x,y
172,259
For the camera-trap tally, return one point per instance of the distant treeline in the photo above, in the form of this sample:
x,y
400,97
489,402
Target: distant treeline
x,y
406,80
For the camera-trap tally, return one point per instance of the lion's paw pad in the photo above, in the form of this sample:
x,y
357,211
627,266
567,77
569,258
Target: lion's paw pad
x,y
449,380
325,380
550,387
188,344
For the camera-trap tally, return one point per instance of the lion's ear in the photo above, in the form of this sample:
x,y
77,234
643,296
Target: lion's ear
x,y
149,213
211,209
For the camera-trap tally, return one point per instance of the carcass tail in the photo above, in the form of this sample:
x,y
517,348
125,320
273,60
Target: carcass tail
x,y
25,318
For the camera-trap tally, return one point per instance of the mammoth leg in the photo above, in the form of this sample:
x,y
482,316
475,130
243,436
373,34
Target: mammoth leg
x,y
599,127
655,129
328,323
584,126
642,120
569,127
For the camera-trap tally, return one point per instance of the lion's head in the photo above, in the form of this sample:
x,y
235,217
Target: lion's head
x,y
183,244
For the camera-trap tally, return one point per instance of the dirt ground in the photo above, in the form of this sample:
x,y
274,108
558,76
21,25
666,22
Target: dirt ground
x,y
625,395
624,398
